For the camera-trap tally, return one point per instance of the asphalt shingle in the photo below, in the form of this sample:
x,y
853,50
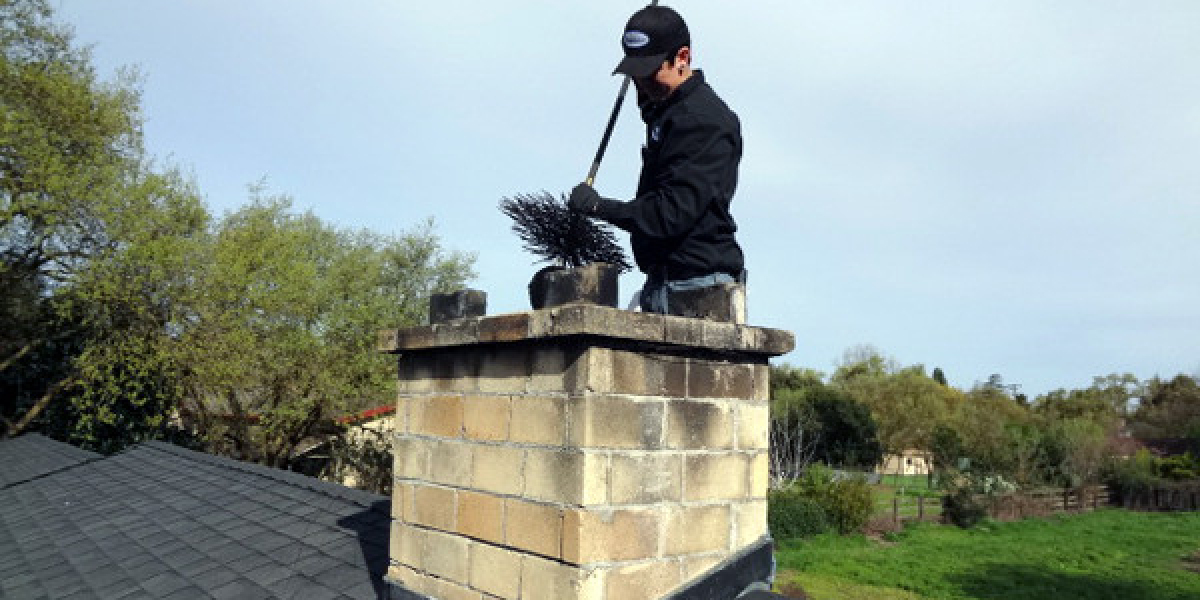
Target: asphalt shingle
x,y
40,456
164,522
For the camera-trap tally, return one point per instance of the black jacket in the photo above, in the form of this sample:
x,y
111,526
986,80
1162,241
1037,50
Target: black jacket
x,y
679,223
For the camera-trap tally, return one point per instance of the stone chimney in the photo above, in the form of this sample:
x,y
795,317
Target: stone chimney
x,y
580,452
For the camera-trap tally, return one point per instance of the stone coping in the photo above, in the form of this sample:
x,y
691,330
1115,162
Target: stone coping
x,y
590,320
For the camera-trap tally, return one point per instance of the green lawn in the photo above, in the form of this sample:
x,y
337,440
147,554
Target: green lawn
x,y
883,505
1107,554
910,482
907,487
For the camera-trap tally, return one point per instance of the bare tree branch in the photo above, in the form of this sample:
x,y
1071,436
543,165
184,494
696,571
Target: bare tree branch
x,y
40,405
8,362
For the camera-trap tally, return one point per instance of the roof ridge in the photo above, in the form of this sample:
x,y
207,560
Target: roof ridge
x,y
50,446
52,472
362,498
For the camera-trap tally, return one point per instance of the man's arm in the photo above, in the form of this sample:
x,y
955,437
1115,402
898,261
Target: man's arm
x,y
697,155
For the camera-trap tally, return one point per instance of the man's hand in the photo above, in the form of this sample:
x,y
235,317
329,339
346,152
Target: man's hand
x,y
584,200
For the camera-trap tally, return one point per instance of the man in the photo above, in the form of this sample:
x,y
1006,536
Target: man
x,y
679,223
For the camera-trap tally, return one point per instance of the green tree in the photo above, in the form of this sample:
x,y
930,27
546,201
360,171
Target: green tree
x,y
132,303
1076,448
846,432
1090,404
1169,408
793,428
67,143
837,430
939,376
862,361
1118,389
907,404
1024,462
947,448
283,337
982,421
75,188
124,301
791,382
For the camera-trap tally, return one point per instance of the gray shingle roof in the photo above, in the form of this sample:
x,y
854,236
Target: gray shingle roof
x,y
39,455
159,521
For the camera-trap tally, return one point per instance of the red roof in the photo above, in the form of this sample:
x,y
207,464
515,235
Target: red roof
x,y
367,415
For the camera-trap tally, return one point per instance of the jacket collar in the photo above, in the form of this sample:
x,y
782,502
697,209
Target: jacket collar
x,y
651,112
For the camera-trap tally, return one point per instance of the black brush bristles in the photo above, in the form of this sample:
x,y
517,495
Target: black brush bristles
x,y
554,233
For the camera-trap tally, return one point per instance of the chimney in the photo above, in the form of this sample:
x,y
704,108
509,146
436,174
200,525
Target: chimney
x,y
581,452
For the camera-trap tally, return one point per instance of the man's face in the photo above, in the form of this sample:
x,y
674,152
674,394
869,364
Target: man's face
x,y
671,74
656,86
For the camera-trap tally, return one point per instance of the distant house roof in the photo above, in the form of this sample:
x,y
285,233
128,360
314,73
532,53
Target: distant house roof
x,y
1172,446
159,521
1125,446
367,415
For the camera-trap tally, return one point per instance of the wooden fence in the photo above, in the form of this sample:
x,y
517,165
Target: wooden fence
x,y
1178,497
1006,506
1048,501
910,508
1033,503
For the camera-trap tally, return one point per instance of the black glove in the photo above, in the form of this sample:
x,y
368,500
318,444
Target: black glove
x,y
584,200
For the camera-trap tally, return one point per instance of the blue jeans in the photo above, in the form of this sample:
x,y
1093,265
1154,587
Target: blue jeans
x,y
653,297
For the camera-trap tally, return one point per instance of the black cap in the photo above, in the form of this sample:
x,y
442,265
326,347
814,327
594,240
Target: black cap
x,y
650,36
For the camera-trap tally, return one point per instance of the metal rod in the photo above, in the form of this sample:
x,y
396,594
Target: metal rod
x,y
612,122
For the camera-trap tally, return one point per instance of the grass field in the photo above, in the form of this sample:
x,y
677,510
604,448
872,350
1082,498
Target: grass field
x,y
1105,554
908,488
905,482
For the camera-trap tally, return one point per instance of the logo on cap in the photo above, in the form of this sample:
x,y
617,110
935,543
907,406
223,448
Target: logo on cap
x,y
635,39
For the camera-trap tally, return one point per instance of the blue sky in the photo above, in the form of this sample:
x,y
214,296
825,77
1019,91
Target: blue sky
x,y
987,187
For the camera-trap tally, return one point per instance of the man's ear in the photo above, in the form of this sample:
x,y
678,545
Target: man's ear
x,y
684,56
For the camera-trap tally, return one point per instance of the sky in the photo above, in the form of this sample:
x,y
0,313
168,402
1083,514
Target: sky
x,y
986,187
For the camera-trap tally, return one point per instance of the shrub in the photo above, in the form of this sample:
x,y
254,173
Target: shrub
x,y
995,484
970,497
1179,468
816,480
1143,472
845,504
964,508
791,514
849,504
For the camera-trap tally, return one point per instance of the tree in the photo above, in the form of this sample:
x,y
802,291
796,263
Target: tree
x,y
1026,452
788,381
74,186
1169,408
995,382
132,303
982,422
793,428
1118,389
813,421
863,360
127,302
947,448
846,432
1089,404
1076,449
67,145
282,340
939,376
906,404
